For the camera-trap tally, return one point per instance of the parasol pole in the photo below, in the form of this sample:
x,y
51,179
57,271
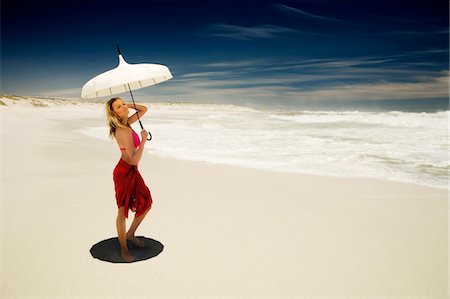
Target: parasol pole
x,y
137,113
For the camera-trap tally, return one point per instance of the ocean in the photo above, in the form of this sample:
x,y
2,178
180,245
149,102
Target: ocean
x,y
394,145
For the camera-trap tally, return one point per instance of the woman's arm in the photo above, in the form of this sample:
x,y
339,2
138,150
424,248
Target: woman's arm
x,y
141,109
131,157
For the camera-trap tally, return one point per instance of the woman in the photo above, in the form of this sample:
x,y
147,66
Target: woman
x,y
131,191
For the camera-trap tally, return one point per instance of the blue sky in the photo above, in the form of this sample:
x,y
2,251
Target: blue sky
x,y
280,53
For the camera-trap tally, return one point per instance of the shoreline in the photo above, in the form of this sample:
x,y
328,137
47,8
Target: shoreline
x,y
360,177
303,174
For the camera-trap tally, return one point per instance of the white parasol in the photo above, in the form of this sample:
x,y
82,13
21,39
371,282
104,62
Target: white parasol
x,y
125,77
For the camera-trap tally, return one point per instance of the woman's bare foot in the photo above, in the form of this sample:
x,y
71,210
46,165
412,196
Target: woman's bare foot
x,y
127,256
135,241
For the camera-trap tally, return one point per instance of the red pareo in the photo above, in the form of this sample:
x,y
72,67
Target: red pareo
x,y
131,191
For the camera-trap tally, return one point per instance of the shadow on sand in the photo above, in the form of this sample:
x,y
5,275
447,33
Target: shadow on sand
x,y
109,250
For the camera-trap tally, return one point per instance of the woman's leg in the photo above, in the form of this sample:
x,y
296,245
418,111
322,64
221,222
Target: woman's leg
x,y
132,230
120,224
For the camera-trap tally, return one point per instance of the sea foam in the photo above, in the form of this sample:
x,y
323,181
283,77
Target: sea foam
x,y
400,146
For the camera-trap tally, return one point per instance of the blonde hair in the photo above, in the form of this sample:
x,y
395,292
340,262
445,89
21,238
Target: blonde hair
x,y
113,120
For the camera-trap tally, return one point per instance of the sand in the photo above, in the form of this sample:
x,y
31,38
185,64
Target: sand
x,y
227,231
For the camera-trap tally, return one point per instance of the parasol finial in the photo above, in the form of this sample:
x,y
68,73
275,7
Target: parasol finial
x,y
118,49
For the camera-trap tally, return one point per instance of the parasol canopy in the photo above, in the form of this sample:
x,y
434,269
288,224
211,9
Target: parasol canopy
x,y
126,77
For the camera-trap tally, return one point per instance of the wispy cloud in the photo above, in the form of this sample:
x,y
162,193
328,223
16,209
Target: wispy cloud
x,y
299,12
393,62
237,63
249,33
444,31
204,74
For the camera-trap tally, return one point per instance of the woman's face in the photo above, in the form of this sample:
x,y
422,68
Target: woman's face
x,y
120,109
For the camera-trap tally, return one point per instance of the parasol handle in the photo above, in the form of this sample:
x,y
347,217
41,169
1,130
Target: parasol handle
x,y
149,137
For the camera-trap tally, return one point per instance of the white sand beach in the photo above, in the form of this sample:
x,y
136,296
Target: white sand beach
x,y
227,231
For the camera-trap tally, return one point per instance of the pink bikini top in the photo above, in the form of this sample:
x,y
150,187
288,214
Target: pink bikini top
x,y
136,140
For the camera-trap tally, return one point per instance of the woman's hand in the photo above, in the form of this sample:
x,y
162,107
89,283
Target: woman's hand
x,y
144,135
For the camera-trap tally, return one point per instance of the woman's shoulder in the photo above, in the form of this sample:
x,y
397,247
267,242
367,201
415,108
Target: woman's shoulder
x,y
122,131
